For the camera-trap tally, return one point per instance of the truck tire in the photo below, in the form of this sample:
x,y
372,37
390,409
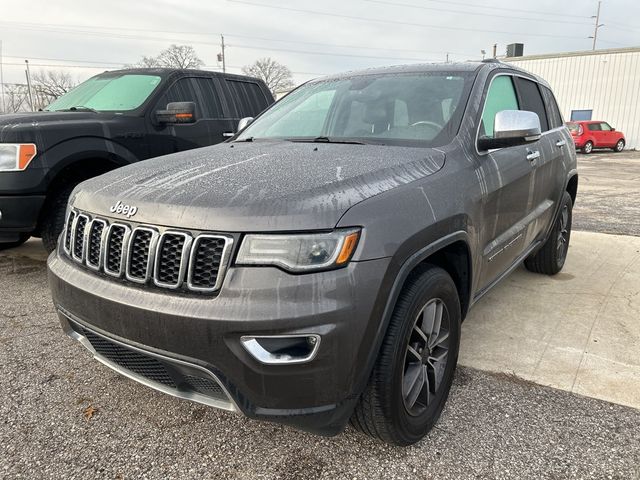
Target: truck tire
x,y
551,257
414,370
54,216
23,238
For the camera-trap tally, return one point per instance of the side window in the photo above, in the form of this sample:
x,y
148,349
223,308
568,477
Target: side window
x,y
594,127
249,98
531,100
199,90
605,127
555,117
501,96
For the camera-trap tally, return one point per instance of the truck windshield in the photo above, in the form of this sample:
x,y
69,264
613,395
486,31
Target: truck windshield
x,y
417,109
109,93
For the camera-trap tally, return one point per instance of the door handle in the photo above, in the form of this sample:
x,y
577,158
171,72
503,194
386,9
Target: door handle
x,y
561,143
228,134
533,156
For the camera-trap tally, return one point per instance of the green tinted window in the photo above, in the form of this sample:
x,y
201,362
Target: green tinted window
x,y
501,96
109,92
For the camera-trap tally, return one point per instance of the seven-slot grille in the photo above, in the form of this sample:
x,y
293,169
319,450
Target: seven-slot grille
x,y
146,254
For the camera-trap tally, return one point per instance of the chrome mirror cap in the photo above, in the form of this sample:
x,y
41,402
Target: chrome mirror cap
x,y
512,124
244,123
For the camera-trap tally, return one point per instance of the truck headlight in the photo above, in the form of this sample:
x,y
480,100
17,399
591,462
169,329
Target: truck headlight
x,y
300,252
15,157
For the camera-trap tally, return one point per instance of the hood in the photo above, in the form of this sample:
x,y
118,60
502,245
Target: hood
x,y
27,127
258,186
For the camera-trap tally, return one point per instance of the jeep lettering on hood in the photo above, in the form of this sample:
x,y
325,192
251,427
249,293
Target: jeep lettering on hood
x,y
121,209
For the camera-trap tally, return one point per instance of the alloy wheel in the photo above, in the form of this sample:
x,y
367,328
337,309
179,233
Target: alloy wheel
x,y
563,234
425,357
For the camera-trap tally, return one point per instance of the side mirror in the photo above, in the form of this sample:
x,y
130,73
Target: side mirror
x,y
613,129
177,112
512,128
244,123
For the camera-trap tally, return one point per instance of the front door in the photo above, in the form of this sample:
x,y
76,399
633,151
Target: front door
x,y
211,125
505,176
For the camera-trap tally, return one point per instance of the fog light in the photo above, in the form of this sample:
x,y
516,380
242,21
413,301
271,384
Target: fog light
x,y
282,349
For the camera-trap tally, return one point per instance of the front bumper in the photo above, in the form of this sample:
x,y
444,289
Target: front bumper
x,y
204,332
19,214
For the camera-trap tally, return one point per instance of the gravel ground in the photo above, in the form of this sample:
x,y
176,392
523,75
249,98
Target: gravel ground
x,y
493,426
608,193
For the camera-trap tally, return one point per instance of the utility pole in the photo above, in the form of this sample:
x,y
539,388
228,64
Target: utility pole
x,y
224,57
28,74
4,107
495,50
447,61
597,25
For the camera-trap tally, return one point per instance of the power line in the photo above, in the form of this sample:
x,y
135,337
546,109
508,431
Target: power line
x,y
485,14
66,28
397,22
510,9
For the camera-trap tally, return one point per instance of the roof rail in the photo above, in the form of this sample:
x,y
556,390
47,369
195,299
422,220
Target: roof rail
x,y
491,60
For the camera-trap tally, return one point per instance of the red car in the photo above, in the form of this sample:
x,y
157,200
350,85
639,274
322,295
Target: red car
x,y
596,134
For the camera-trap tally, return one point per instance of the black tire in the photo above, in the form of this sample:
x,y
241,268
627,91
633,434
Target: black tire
x,y
588,148
384,410
551,257
53,217
23,238
619,146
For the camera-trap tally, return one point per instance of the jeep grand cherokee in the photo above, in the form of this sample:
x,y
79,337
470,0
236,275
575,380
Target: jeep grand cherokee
x,y
316,268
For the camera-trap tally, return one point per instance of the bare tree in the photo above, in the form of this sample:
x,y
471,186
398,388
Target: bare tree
x,y
276,75
176,56
16,97
48,86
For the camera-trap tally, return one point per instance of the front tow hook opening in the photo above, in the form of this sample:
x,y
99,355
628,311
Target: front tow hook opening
x,y
282,349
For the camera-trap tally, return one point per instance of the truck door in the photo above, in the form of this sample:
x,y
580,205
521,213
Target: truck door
x,y
212,121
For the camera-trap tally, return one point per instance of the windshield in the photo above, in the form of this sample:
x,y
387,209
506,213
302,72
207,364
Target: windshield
x,y
422,109
109,93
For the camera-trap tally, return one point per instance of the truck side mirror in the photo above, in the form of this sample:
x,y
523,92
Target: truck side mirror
x,y
177,112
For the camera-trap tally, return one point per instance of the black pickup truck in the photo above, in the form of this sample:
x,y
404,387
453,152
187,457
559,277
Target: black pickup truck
x,y
113,119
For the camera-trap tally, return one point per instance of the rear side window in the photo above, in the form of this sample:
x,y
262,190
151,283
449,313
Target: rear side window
x,y
573,127
605,127
531,100
594,127
249,97
200,90
501,96
553,112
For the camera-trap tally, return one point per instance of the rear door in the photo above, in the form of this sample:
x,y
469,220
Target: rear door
x,y
212,119
595,132
546,170
505,175
246,98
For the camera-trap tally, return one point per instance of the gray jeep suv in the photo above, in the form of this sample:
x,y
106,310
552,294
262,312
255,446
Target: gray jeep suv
x,y
315,269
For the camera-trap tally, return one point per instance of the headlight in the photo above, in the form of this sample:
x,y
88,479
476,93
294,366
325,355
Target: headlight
x,y
16,156
300,253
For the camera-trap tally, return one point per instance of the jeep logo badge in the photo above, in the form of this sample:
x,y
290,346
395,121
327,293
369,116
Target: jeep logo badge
x,y
122,209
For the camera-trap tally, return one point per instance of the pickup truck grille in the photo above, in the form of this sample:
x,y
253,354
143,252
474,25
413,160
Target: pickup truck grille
x,y
147,254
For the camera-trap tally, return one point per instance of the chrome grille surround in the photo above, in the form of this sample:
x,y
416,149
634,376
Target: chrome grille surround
x,y
147,254
146,250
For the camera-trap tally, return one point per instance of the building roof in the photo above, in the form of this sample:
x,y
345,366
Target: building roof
x,y
581,53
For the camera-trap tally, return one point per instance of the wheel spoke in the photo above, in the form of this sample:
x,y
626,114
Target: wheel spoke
x,y
428,318
444,336
437,325
414,353
420,333
413,383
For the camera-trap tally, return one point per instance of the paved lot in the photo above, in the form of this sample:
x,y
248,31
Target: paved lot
x,y
578,331
608,193
494,426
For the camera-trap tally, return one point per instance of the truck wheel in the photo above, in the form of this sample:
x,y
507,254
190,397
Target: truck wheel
x,y
551,257
619,146
412,376
588,148
54,216
23,238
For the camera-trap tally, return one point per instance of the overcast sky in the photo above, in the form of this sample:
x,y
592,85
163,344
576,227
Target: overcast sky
x,y
312,38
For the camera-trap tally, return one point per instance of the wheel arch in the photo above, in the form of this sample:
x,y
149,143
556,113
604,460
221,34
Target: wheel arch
x,y
572,186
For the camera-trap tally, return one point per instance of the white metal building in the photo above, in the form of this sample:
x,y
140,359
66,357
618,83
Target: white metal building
x,y
594,85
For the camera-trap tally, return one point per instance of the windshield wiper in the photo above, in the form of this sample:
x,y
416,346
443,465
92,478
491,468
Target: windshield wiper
x,y
248,139
82,108
324,139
